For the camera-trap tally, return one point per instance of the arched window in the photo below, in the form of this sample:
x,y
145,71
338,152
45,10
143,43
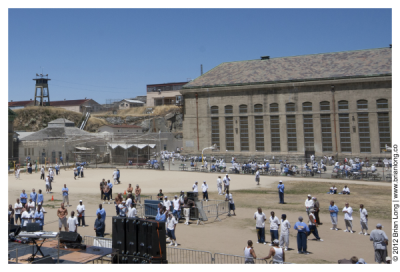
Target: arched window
x,y
228,109
343,105
362,105
324,106
243,109
382,104
214,110
307,106
274,107
258,108
290,107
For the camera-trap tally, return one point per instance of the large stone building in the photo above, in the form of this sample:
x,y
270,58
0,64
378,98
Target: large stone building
x,y
164,94
323,104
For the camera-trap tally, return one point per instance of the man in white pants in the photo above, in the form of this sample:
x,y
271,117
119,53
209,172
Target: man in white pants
x,y
219,185
284,239
363,220
195,187
188,203
309,203
348,218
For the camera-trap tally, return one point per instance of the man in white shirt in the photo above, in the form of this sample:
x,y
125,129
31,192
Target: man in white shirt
x,y
346,190
363,220
42,173
258,177
128,201
17,211
312,225
167,203
274,227
231,205
177,207
80,212
132,211
373,168
171,227
348,218
284,239
226,183
115,175
204,188
260,218
195,188
219,185
72,223
75,172
309,203
122,209
31,205
26,217
48,184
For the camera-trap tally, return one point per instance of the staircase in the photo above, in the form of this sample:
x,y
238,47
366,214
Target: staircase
x,y
85,120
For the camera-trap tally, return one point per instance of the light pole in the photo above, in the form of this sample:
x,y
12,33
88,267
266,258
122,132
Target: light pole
x,y
211,147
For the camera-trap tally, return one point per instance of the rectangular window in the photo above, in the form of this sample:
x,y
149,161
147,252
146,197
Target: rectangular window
x,y
326,132
229,137
33,153
259,126
29,151
244,134
344,132
215,131
384,130
26,152
308,132
291,132
363,132
275,135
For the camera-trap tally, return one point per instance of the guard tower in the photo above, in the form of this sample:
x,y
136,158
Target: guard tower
x,y
42,90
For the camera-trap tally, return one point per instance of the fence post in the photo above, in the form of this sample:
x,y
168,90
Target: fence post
x,y
16,257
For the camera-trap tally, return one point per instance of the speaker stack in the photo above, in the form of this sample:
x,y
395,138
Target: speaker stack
x,y
138,240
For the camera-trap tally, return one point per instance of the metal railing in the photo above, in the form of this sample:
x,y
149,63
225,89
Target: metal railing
x,y
221,258
188,256
214,209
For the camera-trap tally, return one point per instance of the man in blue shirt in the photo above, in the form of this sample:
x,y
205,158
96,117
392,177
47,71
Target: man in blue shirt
x,y
99,226
61,160
65,194
39,218
110,185
33,195
302,231
102,212
281,189
333,209
23,198
267,166
39,198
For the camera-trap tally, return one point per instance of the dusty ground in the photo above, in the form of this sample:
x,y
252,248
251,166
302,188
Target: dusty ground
x,y
231,234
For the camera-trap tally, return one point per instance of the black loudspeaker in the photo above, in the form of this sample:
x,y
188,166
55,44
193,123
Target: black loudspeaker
x,y
141,229
70,237
194,213
122,259
156,245
158,261
131,236
16,229
44,260
75,245
118,234
192,195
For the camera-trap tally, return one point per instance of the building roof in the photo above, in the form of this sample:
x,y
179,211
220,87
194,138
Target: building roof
x,y
20,103
133,101
54,132
61,121
77,102
167,84
122,126
23,134
348,64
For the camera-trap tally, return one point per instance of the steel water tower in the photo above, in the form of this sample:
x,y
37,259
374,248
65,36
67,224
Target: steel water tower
x,y
42,94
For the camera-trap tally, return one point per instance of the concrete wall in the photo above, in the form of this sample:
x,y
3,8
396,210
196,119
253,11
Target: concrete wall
x,y
156,95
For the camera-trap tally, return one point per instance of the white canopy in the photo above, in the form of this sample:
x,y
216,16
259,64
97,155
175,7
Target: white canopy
x,y
126,146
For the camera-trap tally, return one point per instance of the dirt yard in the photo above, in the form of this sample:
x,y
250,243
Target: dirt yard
x,y
231,234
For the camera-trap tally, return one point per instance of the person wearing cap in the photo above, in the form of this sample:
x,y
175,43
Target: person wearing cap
x,y
177,207
195,187
204,188
227,182
316,210
312,225
276,252
249,253
348,218
80,211
274,227
380,242
65,192
260,218
167,203
309,203
363,220
171,227
284,238
333,210
160,195
302,231
122,209
281,191
219,185
138,191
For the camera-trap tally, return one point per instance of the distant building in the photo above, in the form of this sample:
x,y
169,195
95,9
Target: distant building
x,y
80,105
164,94
14,105
130,103
11,116
115,129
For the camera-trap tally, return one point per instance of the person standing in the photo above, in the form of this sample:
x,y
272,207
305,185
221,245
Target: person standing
x,y
160,195
167,203
333,210
47,184
219,185
231,205
75,172
115,176
117,202
31,205
62,217
195,187
204,188
176,203
118,176
106,192
188,203
171,227
80,211
281,190
122,209
348,218
138,191
17,172
316,210
72,223
227,182
102,185
129,190
260,218
39,217
309,203
302,231
99,226
363,220
132,211
274,227
33,196
102,212
258,177
110,186
18,210
277,253
82,171
380,242
23,198
57,167
42,172
40,198
312,225
65,192
26,217
10,215
249,253
284,238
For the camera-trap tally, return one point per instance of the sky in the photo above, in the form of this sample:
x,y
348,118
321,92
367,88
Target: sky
x,y
114,53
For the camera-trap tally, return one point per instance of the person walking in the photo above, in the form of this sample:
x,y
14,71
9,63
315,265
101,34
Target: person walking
x,y
204,188
115,176
72,223
302,231
258,177
219,185
312,225
17,173
363,220
274,227
309,203
260,218
110,186
284,238
333,210
99,226
138,191
57,167
82,171
75,172
195,187
227,182
65,192
348,218
80,212
42,172
171,227
249,253
316,210
380,242
62,217
281,190
176,203
277,253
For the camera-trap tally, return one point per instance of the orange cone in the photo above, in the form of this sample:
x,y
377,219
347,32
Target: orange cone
x,y
52,198
125,192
